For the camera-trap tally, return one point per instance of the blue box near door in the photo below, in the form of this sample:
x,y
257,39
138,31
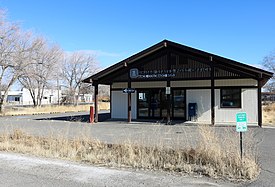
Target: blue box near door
x,y
192,111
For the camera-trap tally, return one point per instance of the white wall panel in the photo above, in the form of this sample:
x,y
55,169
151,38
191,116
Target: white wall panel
x,y
120,103
191,83
149,84
120,85
236,82
202,98
249,105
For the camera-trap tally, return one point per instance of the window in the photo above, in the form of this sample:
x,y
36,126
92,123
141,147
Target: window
x,y
16,98
231,98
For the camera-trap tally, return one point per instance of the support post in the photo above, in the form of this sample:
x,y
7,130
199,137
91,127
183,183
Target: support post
x,y
111,100
129,104
96,103
168,104
212,95
241,145
169,85
259,104
92,114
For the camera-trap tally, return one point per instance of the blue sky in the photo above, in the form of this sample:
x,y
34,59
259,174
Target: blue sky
x,y
242,30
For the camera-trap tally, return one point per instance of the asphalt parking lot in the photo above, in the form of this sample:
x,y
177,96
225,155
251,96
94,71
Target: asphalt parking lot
x,y
142,132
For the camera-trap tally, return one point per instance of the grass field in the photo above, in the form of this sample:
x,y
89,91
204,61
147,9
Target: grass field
x,y
213,155
53,109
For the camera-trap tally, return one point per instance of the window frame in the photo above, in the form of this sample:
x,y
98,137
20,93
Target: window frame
x,y
221,97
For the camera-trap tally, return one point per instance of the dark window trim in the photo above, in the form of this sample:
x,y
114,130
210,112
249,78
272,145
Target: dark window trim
x,y
240,95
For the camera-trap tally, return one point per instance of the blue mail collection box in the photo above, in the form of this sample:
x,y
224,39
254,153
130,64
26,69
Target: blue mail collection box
x,y
192,110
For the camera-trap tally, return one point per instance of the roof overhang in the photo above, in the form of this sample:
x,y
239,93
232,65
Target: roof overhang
x,y
262,75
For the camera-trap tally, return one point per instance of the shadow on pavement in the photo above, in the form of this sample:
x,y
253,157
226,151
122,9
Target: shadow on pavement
x,y
79,118
150,121
107,117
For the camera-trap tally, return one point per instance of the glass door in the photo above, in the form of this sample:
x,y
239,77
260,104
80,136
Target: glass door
x,y
150,103
179,104
143,103
155,103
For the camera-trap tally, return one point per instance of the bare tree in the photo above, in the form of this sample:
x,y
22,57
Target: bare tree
x,y
269,64
3,87
270,86
15,52
104,92
75,68
86,89
42,71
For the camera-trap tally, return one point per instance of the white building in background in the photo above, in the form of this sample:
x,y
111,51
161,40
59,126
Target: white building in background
x,y
85,98
50,96
23,97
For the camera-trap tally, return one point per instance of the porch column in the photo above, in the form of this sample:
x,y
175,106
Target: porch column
x,y
129,104
259,104
96,103
168,104
212,96
168,84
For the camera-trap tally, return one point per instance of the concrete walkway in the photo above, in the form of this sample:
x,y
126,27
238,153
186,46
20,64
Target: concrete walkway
x,y
19,170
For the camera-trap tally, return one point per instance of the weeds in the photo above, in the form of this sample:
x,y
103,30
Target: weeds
x,y
53,109
269,114
214,155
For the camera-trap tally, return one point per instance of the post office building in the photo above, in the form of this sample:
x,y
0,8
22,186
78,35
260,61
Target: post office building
x,y
171,81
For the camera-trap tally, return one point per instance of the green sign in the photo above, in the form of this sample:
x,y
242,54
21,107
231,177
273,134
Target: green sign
x,y
241,119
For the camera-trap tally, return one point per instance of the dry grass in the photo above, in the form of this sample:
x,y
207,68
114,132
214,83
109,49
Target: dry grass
x,y
215,156
269,114
54,109
220,154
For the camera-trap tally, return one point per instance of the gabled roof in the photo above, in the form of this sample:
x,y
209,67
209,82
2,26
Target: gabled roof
x,y
261,74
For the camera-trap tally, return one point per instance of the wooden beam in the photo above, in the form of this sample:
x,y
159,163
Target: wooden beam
x,y
212,95
111,99
129,104
169,85
259,104
96,103
168,104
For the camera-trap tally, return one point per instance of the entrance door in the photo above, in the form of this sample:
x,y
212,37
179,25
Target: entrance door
x,y
153,103
143,103
179,107
150,103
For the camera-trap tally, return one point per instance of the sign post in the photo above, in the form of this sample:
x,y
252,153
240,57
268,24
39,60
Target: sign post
x,y
241,127
128,90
